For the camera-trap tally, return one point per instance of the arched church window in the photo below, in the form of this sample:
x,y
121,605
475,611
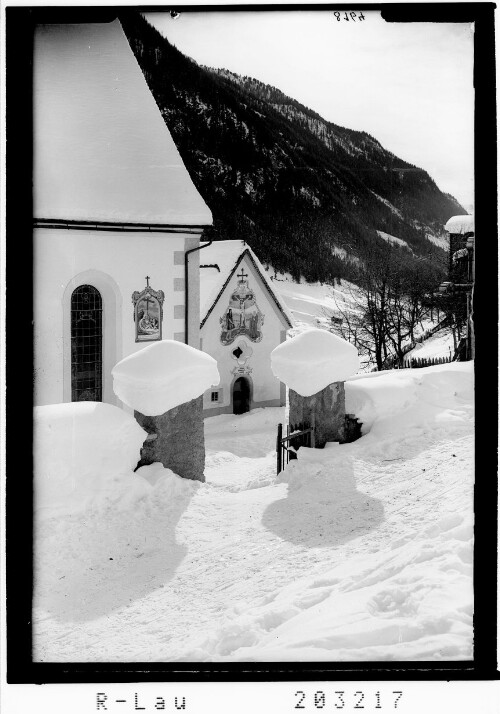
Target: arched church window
x,y
86,344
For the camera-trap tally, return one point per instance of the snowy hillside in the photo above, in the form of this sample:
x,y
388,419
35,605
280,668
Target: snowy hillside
x,y
393,240
311,304
355,552
438,345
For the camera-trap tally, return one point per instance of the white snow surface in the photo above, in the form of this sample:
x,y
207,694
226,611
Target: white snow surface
x,y
438,345
393,240
162,376
311,304
356,552
313,359
102,151
84,453
226,255
460,224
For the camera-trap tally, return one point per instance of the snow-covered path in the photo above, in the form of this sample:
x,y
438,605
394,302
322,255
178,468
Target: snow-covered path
x,y
223,568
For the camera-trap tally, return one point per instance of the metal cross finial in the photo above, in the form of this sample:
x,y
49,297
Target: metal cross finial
x,y
243,275
147,281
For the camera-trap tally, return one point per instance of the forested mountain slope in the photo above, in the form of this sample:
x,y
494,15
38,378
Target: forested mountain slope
x,y
307,195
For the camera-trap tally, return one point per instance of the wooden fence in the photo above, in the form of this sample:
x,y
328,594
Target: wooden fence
x,y
417,362
393,361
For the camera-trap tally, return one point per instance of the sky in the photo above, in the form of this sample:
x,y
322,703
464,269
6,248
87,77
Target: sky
x,y
409,85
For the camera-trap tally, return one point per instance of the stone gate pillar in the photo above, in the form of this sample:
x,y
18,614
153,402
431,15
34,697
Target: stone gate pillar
x,y
163,383
325,410
176,439
314,365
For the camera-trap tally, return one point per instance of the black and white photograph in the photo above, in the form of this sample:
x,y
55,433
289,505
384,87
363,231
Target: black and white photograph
x,y
254,337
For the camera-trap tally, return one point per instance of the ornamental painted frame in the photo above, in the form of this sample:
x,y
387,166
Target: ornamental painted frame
x,y
151,328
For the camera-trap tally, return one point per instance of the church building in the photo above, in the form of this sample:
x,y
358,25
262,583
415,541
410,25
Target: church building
x,y
242,320
117,219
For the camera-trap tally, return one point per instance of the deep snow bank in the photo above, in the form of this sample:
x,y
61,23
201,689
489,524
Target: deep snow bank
x,y
122,548
84,452
312,360
363,552
403,596
416,395
412,602
162,376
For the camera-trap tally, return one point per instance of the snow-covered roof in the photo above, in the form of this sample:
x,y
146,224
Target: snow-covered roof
x,y
460,224
226,255
102,151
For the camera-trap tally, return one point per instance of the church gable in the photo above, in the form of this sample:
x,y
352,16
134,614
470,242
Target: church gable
x,y
243,321
229,287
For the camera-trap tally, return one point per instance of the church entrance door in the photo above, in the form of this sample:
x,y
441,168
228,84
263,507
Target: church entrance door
x,y
86,345
241,396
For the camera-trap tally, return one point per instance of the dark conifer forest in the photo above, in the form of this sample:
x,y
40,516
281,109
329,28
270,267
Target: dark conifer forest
x,y
307,195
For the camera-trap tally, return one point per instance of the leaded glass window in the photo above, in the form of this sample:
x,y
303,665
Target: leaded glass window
x,y
86,345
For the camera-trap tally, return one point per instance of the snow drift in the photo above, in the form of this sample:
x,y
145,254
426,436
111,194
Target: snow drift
x,y
90,564
409,395
405,490
412,602
83,453
359,551
312,360
162,376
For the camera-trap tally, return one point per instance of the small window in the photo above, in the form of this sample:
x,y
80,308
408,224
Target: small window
x,y
215,397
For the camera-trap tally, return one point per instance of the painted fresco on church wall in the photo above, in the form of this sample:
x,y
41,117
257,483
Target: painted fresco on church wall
x,y
148,313
242,316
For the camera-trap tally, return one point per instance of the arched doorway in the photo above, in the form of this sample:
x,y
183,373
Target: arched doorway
x,y
241,396
86,344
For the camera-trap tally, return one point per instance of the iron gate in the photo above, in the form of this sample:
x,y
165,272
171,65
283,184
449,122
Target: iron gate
x,y
287,446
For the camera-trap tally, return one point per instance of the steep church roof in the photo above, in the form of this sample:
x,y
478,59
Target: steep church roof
x,y
221,260
102,151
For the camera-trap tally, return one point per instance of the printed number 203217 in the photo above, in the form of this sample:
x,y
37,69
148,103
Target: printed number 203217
x,y
349,16
345,700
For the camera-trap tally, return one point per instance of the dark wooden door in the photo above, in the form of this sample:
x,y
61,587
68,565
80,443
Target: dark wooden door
x,y
241,396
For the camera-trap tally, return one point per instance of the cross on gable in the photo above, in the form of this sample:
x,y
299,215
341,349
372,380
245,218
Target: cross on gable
x,y
242,276
147,281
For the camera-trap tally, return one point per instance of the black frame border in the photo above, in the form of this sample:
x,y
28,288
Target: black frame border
x,y
19,363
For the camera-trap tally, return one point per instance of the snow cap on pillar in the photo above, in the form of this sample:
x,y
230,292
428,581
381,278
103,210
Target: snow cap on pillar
x,y
162,376
312,360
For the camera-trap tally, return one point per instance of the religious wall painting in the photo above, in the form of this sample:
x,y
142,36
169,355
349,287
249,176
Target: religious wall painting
x,y
242,316
148,313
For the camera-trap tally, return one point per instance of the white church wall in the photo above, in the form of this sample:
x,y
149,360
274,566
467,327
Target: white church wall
x,y
116,263
194,293
265,388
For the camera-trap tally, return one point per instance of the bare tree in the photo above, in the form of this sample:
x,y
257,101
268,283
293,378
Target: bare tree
x,y
381,314
360,319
